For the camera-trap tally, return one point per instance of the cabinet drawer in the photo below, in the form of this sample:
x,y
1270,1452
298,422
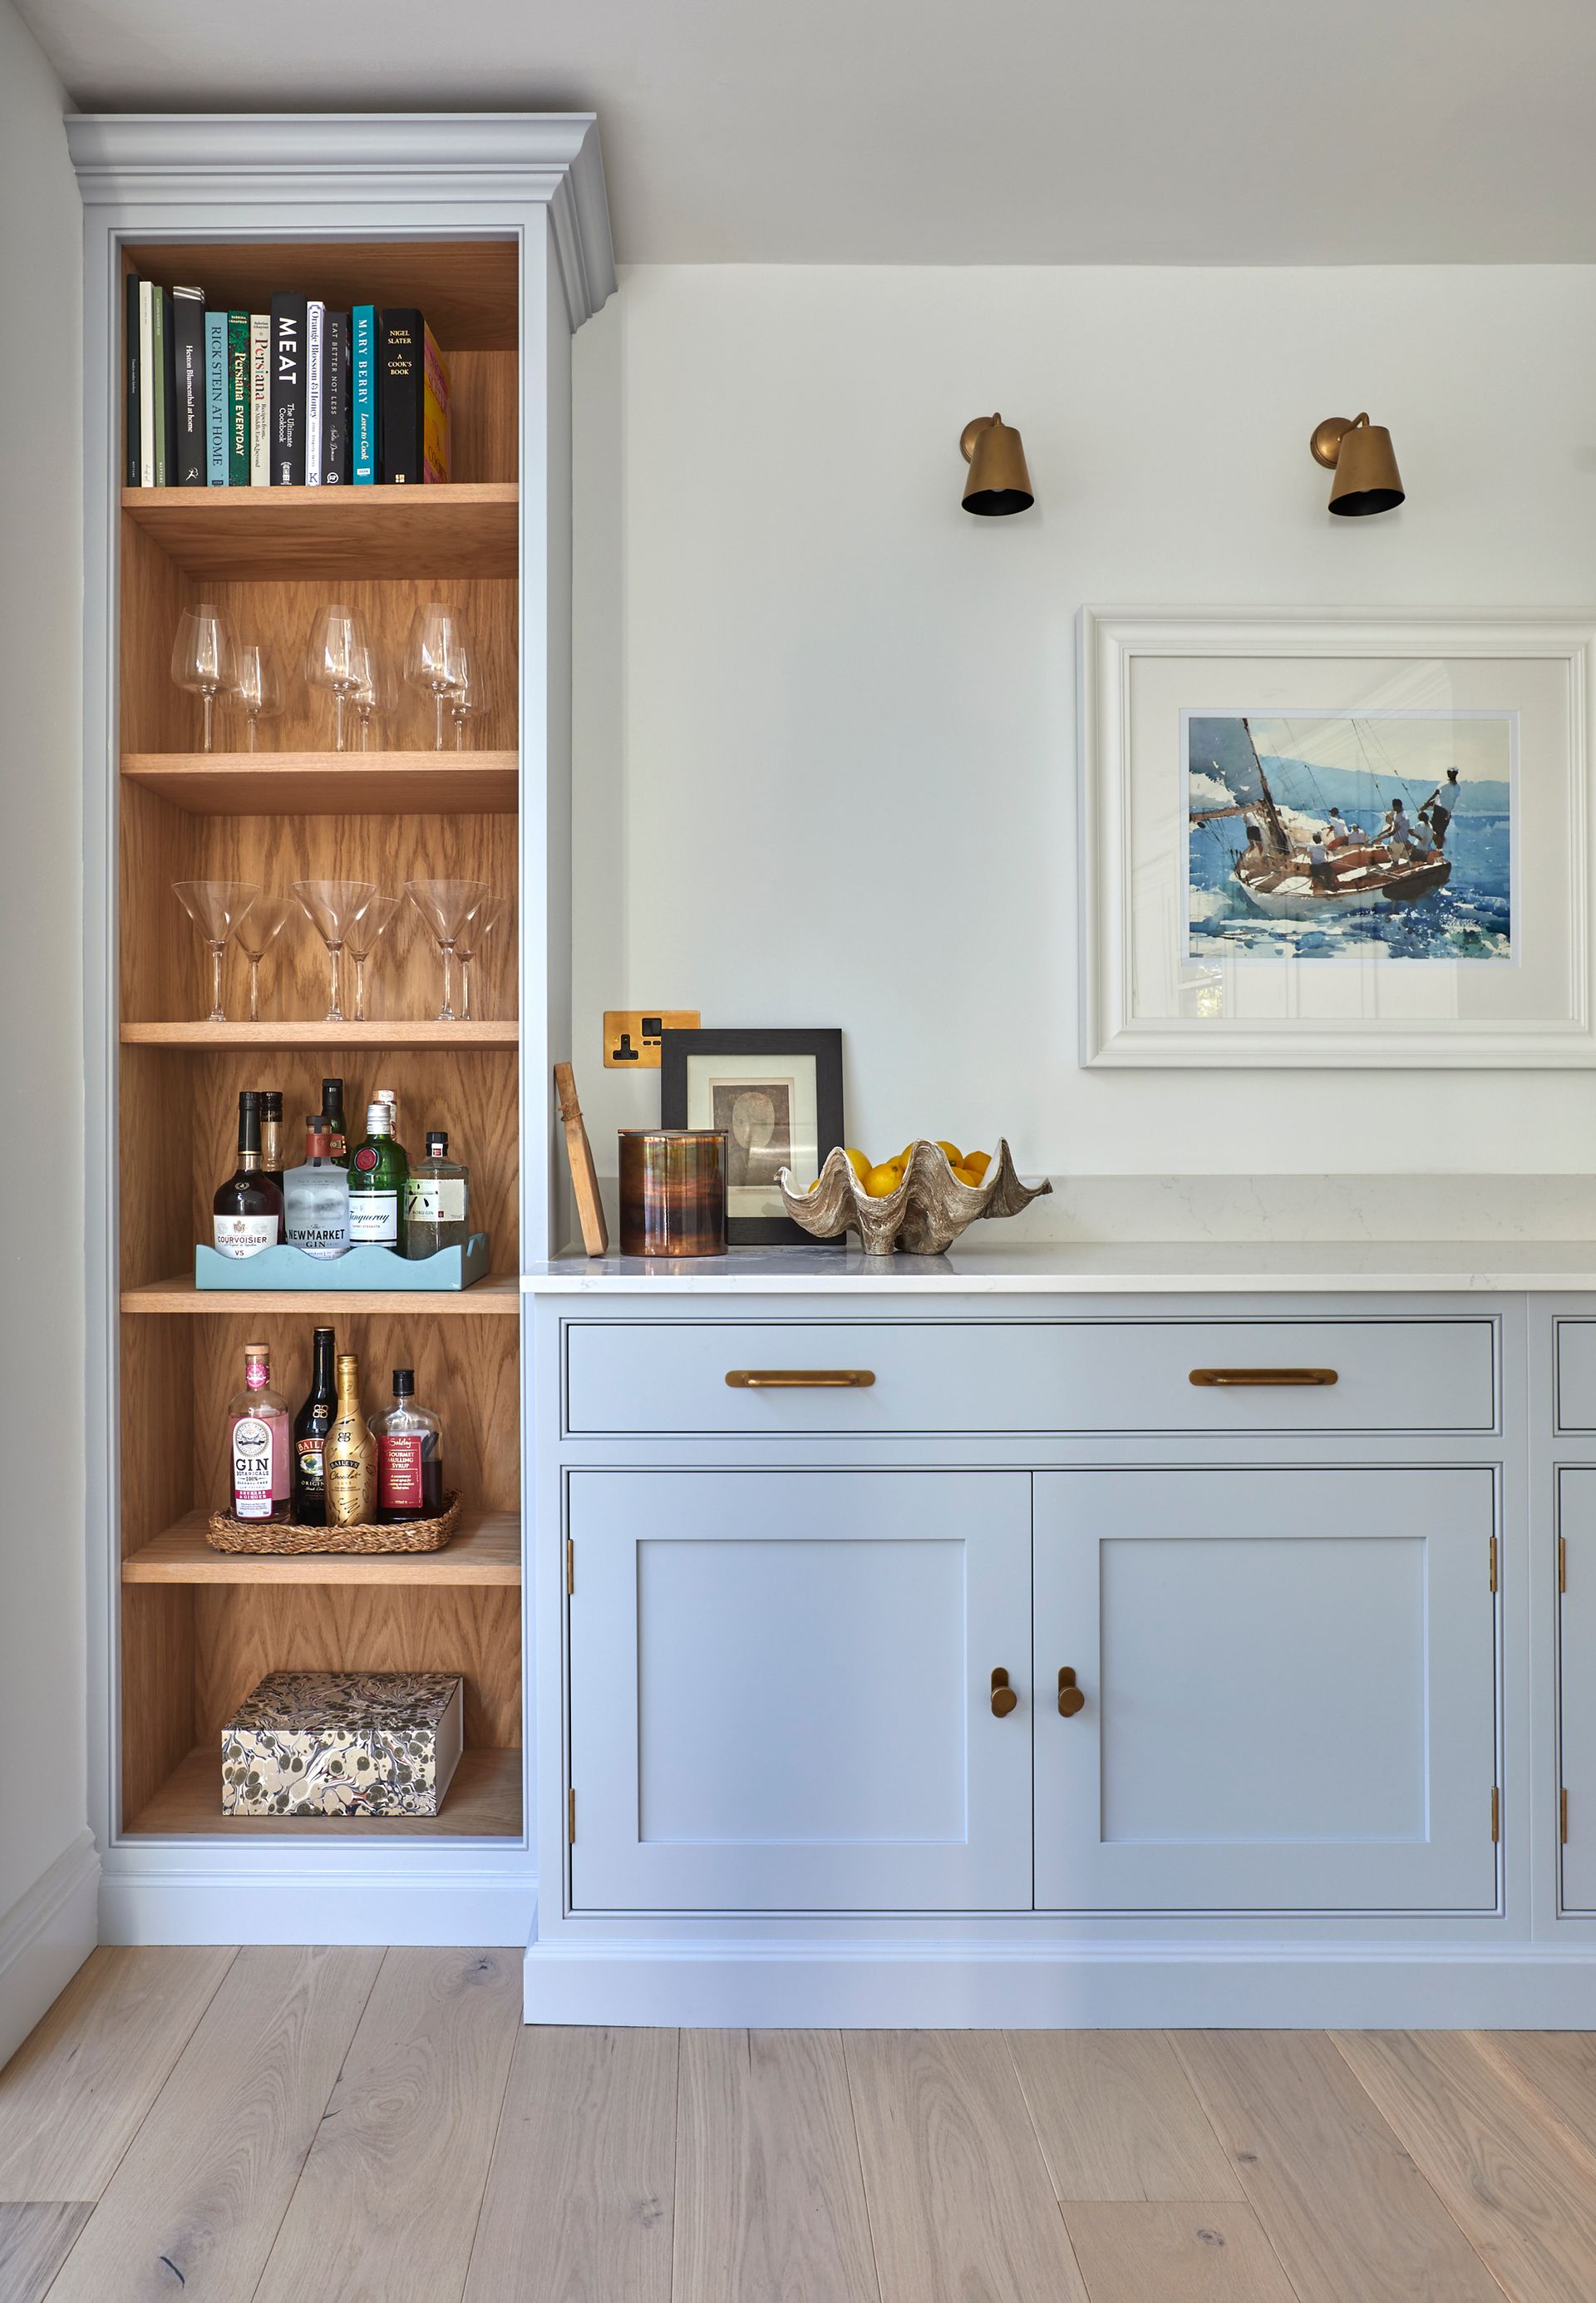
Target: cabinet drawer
x,y
670,1377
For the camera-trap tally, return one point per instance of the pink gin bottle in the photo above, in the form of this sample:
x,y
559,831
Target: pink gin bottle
x,y
258,1428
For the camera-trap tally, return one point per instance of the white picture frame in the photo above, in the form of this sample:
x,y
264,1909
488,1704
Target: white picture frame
x,y
1526,1001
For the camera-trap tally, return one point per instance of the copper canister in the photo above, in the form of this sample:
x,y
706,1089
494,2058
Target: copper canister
x,y
673,1190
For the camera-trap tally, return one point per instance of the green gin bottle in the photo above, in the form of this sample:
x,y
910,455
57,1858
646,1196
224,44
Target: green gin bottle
x,y
378,1174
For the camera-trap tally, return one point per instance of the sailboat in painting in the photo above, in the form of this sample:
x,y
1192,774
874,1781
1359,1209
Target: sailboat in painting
x,y
1277,876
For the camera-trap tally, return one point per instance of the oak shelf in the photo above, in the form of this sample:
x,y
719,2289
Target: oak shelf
x,y
329,784
498,1295
421,1032
486,1549
483,1801
456,529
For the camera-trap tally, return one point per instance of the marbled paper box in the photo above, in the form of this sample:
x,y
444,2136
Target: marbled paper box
x,y
343,1743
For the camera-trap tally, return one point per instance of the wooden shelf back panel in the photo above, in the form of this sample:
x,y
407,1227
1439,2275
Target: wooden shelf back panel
x,y
485,1549
467,289
327,783
467,529
483,1801
498,1297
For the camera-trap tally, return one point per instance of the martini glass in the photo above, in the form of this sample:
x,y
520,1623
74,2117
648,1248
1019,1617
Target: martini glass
x,y
435,655
215,906
375,696
447,906
470,940
256,686
335,657
333,906
254,931
365,932
203,659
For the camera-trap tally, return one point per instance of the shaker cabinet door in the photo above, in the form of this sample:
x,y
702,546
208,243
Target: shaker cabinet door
x,y
781,1691
1290,1691
1576,1684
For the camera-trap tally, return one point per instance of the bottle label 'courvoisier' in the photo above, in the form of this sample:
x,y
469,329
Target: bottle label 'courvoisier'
x,y
241,1235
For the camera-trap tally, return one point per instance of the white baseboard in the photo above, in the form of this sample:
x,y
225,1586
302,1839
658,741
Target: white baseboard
x,y
44,1939
223,1906
1098,1987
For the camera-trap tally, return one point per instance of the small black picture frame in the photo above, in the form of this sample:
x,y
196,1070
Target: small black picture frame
x,y
779,1097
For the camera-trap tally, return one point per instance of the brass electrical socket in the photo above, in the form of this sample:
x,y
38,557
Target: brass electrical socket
x,y
632,1035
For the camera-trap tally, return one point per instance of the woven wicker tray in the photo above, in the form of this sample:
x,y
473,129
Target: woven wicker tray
x,y
225,1533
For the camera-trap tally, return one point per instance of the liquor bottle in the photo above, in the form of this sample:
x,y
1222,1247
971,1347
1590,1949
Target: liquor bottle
x,y
386,1095
258,1420
409,1441
247,1213
315,1197
311,1427
437,1201
270,1135
349,1454
377,1177
332,1105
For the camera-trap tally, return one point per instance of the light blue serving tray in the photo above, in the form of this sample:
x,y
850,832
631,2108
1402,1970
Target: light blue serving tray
x,y
363,1269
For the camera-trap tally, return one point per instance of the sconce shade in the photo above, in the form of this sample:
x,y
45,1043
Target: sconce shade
x,y
998,481
1360,454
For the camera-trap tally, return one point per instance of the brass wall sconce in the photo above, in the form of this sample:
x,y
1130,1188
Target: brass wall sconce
x,y
1359,454
998,481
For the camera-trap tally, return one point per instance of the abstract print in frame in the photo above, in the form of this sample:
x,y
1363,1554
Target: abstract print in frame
x,y
1328,838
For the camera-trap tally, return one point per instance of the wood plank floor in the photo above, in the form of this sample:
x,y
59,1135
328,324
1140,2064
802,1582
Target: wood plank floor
x,y
294,2126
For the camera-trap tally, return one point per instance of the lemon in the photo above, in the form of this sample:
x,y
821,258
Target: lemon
x,y
966,1176
978,1161
857,1161
903,1156
882,1182
955,1158
815,1184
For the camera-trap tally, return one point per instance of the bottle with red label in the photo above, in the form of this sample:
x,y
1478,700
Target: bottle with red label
x,y
409,1456
259,1443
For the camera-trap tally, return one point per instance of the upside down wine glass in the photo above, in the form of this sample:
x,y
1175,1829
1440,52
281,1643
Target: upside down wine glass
x,y
333,906
215,906
256,686
254,931
374,695
435,657
365,934
204,661
447,906
335,657
470,940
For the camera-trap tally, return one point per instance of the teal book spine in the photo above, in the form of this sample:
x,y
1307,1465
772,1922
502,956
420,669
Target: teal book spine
x,y
216,398
362,394
237,399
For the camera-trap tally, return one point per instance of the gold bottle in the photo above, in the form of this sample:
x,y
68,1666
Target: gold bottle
x,y
349,1454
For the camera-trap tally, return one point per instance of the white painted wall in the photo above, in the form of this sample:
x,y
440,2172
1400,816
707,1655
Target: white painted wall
x,y
826,720
43,1791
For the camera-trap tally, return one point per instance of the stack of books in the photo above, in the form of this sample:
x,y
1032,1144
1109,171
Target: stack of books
x,y
295,397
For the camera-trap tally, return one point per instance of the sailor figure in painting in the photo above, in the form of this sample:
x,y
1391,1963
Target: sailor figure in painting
x,y
1307,879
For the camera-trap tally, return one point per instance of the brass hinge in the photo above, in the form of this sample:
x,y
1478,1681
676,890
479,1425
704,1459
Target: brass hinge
x,y
1562,1563
571,1817
1496,1813
1563,1815
1493,1563
571,1567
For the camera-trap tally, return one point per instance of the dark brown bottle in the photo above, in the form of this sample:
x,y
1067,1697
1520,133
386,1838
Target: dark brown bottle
x,y
247,1213
311,1427
271,1136
333,1110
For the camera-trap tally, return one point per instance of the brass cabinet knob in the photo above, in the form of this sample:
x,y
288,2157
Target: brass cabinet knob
x,y
1070,1697
1004,1697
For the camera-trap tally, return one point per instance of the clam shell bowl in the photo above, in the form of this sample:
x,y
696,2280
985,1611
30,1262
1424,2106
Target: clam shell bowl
x,y
927,1212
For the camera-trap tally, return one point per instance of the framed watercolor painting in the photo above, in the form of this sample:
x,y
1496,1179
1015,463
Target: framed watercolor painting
x,y
778,1097
1336,838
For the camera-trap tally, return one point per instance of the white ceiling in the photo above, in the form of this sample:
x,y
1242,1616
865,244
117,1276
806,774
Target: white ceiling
x,y
997,131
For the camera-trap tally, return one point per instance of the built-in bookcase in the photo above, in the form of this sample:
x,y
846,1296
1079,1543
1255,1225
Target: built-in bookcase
x,y
187,1632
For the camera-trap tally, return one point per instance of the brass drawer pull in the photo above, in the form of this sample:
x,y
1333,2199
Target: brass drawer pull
x,y
799,1379
1260,1379
1004,1697
1070,1697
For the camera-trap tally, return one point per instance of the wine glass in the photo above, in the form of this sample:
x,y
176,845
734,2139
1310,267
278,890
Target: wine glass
x,y
470,940
365,932
256,686
254,931
335,657
203,658
375,697
215,906
447,906
470,697
333,906
435,656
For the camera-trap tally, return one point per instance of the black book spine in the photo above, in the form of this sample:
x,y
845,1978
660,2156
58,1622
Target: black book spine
x,y
187,306
335,399
287,390
402,388
169,386
131,336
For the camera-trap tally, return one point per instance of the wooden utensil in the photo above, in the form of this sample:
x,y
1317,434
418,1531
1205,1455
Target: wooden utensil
x,y
584,1177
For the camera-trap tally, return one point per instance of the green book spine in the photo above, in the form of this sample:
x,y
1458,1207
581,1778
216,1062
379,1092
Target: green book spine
x,y
237,399
163,359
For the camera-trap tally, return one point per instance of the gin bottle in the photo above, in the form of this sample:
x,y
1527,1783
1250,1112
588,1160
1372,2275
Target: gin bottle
x,y
259,1434
377,1176
315,1197
437,1201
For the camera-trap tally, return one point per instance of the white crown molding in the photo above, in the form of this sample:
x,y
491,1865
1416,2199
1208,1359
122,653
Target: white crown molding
x,y
325,159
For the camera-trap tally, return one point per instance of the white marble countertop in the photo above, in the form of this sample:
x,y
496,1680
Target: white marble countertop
x,y
1269,1267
